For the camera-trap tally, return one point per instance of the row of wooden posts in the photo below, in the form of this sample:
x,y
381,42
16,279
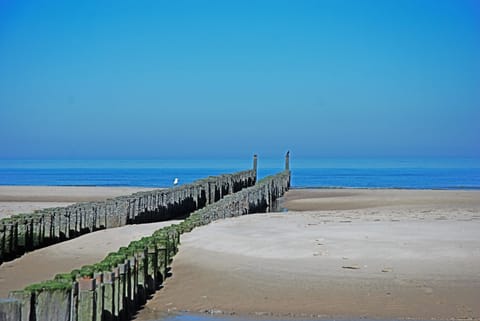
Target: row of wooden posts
x,y
116,287
26,232
111,290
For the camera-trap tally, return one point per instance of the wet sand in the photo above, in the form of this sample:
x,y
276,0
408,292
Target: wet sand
x,y
391,254
45,263
26,199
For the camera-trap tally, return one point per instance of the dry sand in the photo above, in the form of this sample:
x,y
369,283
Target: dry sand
x,y
44,264
336,253
26,199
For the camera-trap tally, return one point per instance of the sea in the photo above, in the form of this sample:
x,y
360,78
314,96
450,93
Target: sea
x,y
405,173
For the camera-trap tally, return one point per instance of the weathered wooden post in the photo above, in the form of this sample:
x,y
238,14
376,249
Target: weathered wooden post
x,y
122,291
142,259
41,238
287,161
3,232
26,300
9,238
52,304
108,312
162,263
129,288
99,295
117,298
36,231
10,310
74,301
86,299
152,268
132,282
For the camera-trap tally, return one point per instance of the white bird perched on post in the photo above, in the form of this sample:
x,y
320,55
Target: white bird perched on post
x,y
175,181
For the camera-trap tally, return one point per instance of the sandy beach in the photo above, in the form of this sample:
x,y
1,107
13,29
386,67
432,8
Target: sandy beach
x,y
26,199
336,253
346,253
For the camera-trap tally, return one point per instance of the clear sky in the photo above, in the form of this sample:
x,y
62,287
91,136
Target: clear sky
x,y
148,79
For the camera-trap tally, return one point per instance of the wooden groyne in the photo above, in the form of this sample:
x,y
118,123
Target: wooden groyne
x,y
260,198
26,232
115,288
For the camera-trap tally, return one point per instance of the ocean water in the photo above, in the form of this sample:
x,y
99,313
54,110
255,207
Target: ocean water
x,y
411,173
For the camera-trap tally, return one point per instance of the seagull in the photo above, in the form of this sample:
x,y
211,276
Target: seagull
x,y
175,181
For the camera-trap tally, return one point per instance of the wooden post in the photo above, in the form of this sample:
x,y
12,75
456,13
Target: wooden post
x,y
108,313
86,300
10,310
287,161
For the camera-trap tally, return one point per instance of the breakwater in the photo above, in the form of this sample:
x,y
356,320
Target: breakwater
x,y
119,285
25,232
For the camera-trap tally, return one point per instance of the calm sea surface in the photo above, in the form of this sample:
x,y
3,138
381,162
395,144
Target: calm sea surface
x,y
431,173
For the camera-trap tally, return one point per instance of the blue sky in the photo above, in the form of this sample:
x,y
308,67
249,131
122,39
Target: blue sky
x,y
153,79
